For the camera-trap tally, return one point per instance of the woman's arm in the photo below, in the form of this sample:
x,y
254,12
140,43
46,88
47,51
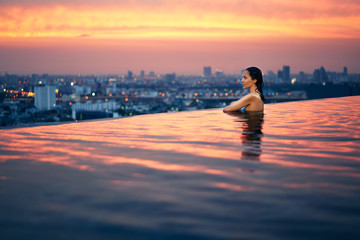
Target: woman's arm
x,y
234,106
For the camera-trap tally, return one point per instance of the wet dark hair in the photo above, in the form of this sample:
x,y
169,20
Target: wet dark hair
x,y
255,73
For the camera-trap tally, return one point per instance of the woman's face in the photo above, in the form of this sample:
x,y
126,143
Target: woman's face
x,y
246,80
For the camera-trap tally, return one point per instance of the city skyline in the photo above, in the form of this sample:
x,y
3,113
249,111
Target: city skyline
x,y
110,37
205,71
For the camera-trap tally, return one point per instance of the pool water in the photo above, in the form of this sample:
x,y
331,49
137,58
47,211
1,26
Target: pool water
x,y
290,173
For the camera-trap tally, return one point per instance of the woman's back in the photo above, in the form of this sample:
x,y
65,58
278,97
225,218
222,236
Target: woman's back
x,y
256,103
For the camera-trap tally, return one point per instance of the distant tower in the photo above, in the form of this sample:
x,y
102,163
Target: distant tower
x,y
207,71
345,71
219,74
130,75
142,74
11,79
301,76
316,75
280,76
321,76
170,77
286,74
45,97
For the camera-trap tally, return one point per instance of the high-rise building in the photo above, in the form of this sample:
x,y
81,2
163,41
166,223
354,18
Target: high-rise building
x,y
170,77
11,79
280,76
207,71
320,75
219,74
130,75
286,74
270,77
345,71
142,74
302,77
45,97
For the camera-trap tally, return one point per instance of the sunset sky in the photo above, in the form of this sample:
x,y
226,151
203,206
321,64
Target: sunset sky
x,y
182,36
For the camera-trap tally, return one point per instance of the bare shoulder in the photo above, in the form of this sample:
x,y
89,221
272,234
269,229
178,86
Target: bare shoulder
x,y
256,103
254,95
248,97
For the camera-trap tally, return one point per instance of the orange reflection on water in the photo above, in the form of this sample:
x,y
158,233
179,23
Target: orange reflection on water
x,y
232,187
198,141
165,166
323,129
157,133
192,169
83,149
46,151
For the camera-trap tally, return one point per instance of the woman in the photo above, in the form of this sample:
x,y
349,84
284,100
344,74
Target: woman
x,y
254,101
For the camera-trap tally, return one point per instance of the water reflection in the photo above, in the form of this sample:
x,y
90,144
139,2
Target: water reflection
x,y
178,175
251,124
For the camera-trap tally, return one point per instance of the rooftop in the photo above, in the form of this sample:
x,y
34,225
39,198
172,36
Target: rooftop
x,y
292,173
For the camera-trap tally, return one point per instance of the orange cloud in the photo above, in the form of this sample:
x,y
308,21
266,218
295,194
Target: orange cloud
x,y
186,19
172,35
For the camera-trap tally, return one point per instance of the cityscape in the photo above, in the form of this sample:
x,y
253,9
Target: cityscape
x,y
27,100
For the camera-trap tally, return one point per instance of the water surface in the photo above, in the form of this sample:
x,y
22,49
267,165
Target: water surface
x,y
292,173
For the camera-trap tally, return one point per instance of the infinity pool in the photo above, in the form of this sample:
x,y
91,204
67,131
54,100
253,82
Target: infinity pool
x,y
292,173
